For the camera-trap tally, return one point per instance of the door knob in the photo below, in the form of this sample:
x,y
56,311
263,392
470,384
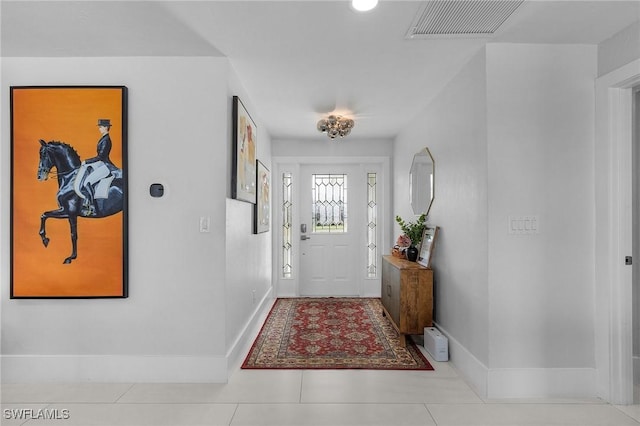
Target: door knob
x,y
305,237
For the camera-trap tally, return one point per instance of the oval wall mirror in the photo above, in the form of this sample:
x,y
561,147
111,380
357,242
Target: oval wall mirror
x,y
421,182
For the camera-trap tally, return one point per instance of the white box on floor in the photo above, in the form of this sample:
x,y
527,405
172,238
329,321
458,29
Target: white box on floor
x,y
436,344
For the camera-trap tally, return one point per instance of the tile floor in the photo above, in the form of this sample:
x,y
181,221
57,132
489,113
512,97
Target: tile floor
x,y
298,398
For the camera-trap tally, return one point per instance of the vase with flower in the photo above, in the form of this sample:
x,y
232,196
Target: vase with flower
x,y
413,232
402,244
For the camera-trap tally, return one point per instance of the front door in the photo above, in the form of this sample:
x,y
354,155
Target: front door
x,y
332,213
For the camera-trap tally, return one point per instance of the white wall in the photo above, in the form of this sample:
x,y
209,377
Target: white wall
x,y
453,126
512,135
172,326
249,260
620,49
350,146
540,131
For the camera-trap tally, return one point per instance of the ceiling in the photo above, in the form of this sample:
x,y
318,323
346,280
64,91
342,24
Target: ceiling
x,y
299,60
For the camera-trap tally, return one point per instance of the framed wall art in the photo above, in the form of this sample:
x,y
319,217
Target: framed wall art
x,y
243,179
68,220
427,246
262,213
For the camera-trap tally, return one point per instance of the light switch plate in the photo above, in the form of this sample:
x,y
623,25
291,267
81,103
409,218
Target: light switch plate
x,y
524,225
205,222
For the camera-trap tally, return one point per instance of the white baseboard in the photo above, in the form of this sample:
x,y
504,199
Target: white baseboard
x,y
133,368
470,367
520,382
242,344
113,369
542,383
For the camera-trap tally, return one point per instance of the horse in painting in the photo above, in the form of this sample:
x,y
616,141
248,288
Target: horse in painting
x,y
67,162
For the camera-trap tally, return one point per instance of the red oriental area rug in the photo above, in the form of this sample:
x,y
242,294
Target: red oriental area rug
x,y
331,333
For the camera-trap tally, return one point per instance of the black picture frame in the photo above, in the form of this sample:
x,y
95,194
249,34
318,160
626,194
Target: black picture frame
x,y
245,136
55,128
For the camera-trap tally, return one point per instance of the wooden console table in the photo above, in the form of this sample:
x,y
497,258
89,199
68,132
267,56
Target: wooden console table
x,y
407,295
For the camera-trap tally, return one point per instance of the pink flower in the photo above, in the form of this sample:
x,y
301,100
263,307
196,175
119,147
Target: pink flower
x,y
403,241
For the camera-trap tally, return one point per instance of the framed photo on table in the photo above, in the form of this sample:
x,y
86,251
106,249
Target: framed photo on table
x,y
243,179
427,246
68,221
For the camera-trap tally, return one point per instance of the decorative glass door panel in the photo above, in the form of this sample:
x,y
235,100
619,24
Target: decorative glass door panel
x,y
329,211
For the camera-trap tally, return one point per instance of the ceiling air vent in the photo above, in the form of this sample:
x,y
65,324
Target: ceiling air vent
x,y
470,18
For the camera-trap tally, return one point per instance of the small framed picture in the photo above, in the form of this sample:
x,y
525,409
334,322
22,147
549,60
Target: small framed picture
x,y
262,213
428,244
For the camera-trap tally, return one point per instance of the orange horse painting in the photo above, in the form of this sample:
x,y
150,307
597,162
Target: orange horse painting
x,y
44,262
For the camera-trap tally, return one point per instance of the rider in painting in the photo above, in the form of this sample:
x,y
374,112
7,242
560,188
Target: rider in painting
x,y
96,168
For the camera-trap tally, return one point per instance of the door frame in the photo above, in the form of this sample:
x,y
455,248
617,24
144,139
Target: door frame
x,y
290,287
635,316
613,165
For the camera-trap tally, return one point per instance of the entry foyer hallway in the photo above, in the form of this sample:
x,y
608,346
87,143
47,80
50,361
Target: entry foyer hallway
x,y
300,398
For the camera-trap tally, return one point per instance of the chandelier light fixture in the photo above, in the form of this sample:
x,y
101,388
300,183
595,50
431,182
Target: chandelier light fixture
x,y
335,125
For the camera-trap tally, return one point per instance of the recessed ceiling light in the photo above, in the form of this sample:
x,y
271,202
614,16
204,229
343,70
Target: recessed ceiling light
x,y
363,5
